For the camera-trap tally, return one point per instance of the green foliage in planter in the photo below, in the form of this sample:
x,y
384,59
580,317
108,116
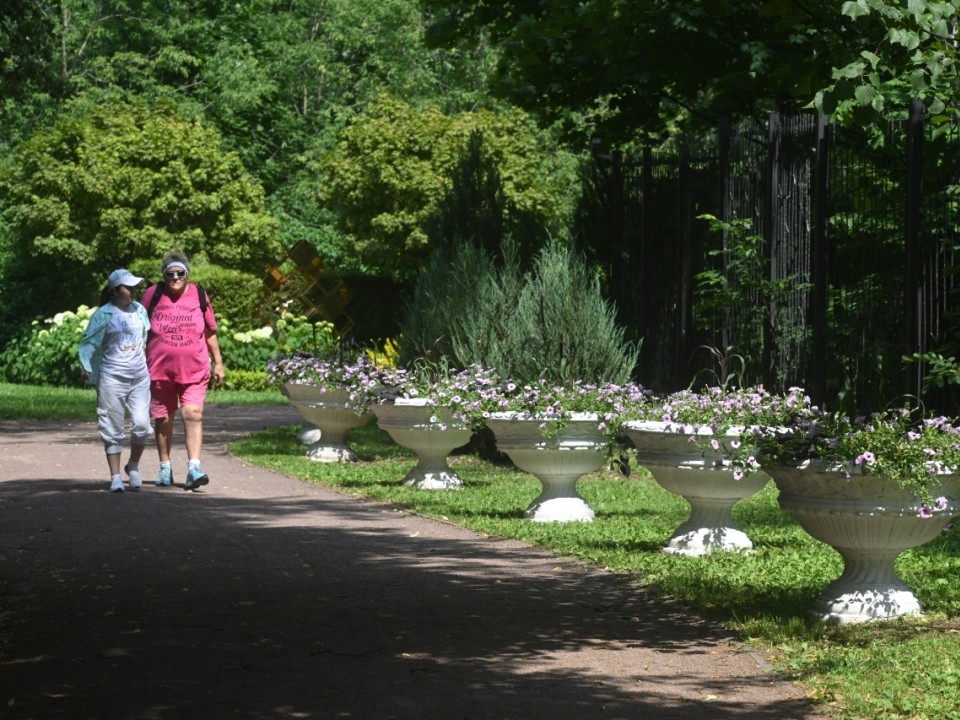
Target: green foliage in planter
x,y
740,306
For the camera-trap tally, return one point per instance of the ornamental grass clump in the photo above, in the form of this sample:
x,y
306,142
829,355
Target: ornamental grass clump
x,y
465,391
359,377
913,451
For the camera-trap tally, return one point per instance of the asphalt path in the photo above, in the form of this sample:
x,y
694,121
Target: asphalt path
x,y
263,597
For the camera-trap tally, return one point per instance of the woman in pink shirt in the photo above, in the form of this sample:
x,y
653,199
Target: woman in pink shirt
x,y
183,337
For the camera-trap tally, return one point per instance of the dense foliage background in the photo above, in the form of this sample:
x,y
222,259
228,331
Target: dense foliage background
x,y
234,131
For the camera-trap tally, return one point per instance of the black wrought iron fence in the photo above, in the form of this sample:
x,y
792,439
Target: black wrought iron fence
x,y
859,235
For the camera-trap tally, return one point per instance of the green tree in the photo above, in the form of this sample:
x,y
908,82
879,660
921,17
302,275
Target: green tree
x,y
616,67
394,163
125,181
908,50
278,78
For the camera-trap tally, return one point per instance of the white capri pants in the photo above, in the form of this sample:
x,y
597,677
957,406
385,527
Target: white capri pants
x,y
117,396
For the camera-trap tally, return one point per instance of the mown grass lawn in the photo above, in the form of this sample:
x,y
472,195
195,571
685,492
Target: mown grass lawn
x,y
908,669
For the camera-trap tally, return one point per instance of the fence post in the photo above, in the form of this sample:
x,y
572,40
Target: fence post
x,y
645,319
913,245
819,280
770,218
684,271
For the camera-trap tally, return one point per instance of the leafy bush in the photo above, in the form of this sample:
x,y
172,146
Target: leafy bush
x,y
105,185
46,353
246,351
253,349
255,380
237,297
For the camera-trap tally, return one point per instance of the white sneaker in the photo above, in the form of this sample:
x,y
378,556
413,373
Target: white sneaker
x,y
116,485
136,482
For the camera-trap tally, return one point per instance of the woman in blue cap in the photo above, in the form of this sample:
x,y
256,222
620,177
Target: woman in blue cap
x,y
113,357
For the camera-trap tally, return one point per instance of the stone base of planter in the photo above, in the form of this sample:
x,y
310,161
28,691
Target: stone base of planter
x,y
560,509
558,462
702,478
427,479
429,431
869,520
693,540
330,453
329,418
851,601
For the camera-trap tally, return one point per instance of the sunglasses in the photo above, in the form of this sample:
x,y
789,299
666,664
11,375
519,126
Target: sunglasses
x,y
175,274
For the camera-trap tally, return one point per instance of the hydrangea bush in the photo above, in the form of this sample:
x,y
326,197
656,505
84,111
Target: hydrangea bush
x,y
47,353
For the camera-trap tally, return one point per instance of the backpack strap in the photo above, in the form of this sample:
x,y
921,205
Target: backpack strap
x,y
154,299
203,298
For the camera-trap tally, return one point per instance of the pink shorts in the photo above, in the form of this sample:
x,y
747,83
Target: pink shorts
x,y
166,396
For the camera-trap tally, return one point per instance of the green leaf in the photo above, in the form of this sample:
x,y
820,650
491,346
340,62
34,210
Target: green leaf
x,y
865,94
918,81
850,71
855,9
870,57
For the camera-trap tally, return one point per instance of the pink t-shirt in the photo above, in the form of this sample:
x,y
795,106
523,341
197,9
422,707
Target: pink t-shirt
x,y
177,344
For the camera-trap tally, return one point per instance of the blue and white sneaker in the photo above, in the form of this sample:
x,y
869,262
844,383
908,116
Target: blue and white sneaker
x,y
195,478
116,484
165,477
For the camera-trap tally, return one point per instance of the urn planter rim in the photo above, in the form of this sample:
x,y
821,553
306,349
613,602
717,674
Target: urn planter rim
x,y
410,402
522,416
847,467
658,427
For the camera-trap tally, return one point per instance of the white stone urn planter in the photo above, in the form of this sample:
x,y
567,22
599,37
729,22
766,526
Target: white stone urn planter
x,y
431,433
332,416
703,478
557,461
869,520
